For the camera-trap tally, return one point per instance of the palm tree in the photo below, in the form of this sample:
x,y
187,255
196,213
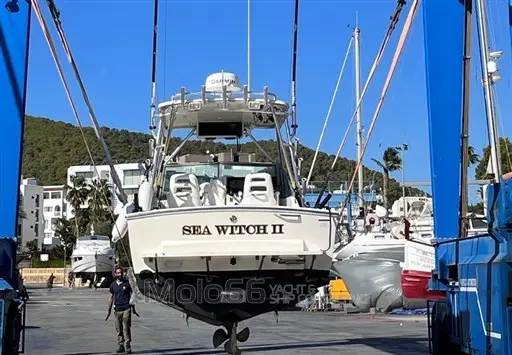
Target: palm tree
x,y
473,158
77,195
100,200
391,161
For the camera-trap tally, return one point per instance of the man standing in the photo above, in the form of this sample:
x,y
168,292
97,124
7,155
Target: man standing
x,y
120,295
49,283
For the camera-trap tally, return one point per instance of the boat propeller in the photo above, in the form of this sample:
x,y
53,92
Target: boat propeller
x,y
230,341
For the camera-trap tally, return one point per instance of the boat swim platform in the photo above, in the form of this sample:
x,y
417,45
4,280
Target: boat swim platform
x,y
64,321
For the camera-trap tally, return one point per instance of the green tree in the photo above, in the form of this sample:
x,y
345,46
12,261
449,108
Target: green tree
x,y
473,157
506,159
65,229
391,161
77,195
32,246
99,201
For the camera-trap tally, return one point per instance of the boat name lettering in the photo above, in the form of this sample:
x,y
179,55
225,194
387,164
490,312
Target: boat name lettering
x,y
233,229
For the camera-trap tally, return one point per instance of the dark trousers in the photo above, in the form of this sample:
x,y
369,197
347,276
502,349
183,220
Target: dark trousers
x,y
124,327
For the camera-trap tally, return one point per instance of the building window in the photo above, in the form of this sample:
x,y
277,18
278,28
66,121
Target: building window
x,y
48,235
48,209
57,211
87,175
37,201
56,195
36,230
132,177
36,216
19,228
46,195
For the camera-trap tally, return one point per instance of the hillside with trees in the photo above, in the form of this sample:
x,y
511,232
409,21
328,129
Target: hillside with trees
x,y
50,147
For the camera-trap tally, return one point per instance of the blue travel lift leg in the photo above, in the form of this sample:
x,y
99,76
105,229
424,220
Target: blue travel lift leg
x,y
14,39
475,273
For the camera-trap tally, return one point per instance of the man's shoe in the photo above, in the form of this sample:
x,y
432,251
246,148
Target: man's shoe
x,y
128,351
120,350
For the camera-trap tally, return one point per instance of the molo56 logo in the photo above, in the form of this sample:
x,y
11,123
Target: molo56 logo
x,y
232,291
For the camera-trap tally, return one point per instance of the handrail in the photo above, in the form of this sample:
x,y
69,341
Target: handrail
x,y
244,94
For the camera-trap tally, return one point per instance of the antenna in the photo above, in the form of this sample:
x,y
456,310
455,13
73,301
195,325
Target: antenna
x,y
248,45
153,69
359,129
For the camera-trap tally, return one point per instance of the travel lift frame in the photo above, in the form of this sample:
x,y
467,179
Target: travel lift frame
x,y
475,273
14,44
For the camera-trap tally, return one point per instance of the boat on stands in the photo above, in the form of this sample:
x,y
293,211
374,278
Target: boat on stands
x,y
221,237
371,264
93,259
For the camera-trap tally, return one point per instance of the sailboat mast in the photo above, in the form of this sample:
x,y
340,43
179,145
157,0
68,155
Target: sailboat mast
x,y
153,68
488,93
357,32
249,45
294,70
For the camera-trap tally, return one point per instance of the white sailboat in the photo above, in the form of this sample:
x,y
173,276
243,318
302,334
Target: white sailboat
x,y
226,239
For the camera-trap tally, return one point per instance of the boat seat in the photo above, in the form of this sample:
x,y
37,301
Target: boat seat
x,y
204,192
217,192
258,190
183,191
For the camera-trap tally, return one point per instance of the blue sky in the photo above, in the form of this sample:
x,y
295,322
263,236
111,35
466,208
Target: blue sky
x,y
111,41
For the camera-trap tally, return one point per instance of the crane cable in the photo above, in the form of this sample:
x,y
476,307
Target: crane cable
x,y
394,20
58,64
58,25
396,57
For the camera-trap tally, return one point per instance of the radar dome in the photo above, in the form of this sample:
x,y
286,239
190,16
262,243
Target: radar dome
x,y
215,81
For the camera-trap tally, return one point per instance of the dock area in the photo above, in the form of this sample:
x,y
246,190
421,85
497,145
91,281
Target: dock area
x,y
64,321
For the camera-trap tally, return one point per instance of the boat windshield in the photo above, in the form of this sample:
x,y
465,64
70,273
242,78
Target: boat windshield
x,y
233,173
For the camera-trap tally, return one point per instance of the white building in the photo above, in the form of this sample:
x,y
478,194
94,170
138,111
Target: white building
x,y
130,175
31,203
55,207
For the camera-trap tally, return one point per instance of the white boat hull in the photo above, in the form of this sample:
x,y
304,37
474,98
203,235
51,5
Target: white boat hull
x,y
93,264
230,263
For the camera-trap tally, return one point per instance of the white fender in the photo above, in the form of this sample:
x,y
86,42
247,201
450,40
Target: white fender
x,y
146,196
121,226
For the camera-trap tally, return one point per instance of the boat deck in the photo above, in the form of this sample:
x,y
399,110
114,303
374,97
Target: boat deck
x,y
67,321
